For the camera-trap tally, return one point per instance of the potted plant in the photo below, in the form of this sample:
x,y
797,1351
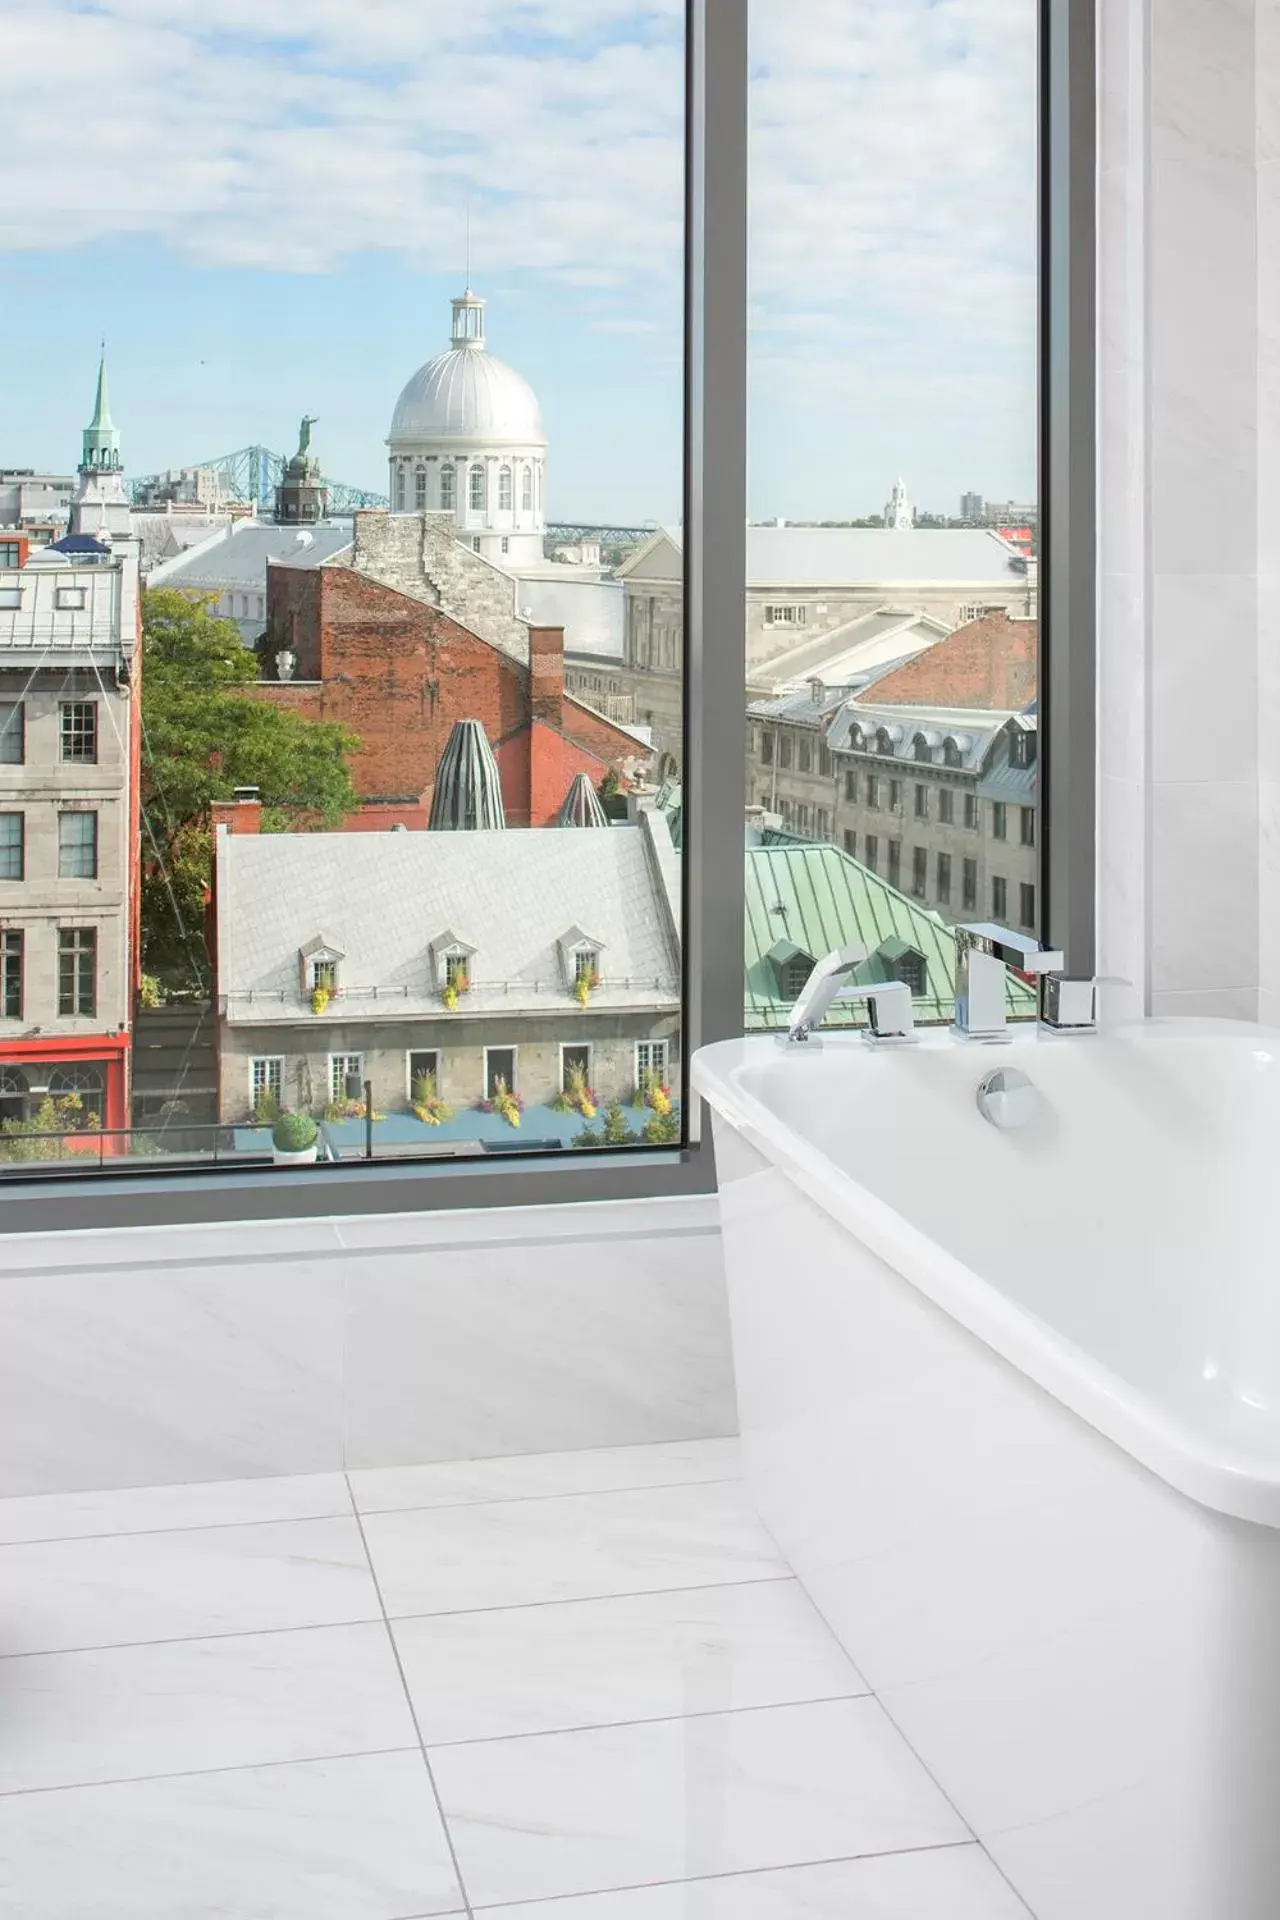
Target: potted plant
x,y
508,1104
584,986
453,991
294,1140
427,1103
320,998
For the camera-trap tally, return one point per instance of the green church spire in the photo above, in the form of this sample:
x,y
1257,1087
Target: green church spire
x,y
101,437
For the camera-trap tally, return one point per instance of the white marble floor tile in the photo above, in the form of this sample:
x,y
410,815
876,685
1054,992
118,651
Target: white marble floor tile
x,y
215,1503
534,1475
519,1552
612,1807
950,1883
355,1839
113,1591
70,1719
590,1663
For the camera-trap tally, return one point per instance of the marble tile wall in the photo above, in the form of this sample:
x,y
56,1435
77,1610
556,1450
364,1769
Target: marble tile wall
x,y
1188,463
167,1356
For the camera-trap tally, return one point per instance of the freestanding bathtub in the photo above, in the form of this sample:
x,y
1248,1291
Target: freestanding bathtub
x,y
1010,1404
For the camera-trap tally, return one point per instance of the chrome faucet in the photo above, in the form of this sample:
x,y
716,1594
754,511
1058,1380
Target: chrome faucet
x,y
888,1001
983,953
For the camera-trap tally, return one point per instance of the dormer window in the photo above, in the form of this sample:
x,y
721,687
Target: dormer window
x,y
951,753
1022,748
452,962
792,967
580,955
69,599
884,741
906,963
923,751
320,968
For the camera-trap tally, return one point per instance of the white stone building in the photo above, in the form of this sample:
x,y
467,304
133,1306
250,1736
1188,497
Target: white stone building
x,y
70,642
385,922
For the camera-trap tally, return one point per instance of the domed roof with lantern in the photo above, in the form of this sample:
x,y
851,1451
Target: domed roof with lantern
x,y
467,394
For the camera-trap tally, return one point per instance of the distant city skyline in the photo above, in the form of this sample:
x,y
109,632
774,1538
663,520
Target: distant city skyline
x,y
280,227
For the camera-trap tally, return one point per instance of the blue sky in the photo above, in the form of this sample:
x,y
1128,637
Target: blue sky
x,y
264,225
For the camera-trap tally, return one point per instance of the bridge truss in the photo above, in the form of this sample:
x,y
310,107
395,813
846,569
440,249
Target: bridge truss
x,y
253,474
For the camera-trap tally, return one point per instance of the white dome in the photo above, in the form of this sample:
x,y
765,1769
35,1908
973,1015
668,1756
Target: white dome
x,y
468,394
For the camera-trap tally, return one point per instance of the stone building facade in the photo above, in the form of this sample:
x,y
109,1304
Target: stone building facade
x,y
810,584
384,921
70,882
929,778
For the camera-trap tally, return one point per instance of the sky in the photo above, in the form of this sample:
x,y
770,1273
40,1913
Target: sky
x,y
263,208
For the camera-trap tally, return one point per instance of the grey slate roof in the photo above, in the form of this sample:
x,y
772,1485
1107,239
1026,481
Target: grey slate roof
x,y
239,557
830,556
382,899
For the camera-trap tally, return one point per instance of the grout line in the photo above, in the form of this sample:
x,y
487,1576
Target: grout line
x,y
920,1761
531,1499
325,1256
193,1639
201,1773
152,1533
376,1619
413,1713
578,1599
344,1512
713,1879
653,1720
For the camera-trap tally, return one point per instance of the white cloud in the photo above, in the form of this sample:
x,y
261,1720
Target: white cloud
x,y
893,203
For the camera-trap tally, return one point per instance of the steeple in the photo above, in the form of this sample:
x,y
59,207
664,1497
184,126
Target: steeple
x,y
101,451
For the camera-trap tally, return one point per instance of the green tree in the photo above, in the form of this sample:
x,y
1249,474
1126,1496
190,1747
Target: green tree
x,y
203,737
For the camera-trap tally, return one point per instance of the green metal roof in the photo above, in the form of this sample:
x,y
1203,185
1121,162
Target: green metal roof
x,y
817,898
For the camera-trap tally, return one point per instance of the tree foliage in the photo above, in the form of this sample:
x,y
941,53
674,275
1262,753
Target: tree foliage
x,y
203,737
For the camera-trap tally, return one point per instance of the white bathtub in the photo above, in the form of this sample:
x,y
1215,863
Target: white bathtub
x,y
1011,1406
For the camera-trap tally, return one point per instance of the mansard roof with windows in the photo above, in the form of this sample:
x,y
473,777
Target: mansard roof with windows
x,y
392,905
804,900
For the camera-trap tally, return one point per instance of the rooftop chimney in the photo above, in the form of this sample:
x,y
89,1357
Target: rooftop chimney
x,y
546,674
243,814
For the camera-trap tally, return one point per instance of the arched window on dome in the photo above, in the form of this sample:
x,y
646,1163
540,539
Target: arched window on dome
x,y
420,489
477,489
504,490
526,489
401,492
446,486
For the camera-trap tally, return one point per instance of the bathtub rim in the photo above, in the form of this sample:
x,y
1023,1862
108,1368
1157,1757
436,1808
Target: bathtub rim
x,y
1241,1483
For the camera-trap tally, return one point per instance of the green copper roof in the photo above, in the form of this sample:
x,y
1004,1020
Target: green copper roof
x,y
101,437
813,897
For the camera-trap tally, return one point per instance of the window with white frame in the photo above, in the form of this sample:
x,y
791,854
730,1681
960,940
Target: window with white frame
x,y
266,1081
651,1062
69,599
447,482
504,489
791,614
477,489
420,490
13,845
401,497
526,489
422,1073
346,1077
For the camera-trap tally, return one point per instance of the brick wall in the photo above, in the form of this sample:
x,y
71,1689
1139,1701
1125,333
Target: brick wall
x,y
398,673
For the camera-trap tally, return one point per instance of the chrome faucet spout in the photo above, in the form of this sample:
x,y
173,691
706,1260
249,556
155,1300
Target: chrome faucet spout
x,y
888,1001
984,953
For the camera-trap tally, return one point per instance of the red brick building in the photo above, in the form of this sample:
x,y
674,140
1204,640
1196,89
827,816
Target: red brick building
x,y
399,673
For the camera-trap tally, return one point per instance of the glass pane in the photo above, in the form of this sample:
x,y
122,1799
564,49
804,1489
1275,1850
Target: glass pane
x,y
415,401
893,539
